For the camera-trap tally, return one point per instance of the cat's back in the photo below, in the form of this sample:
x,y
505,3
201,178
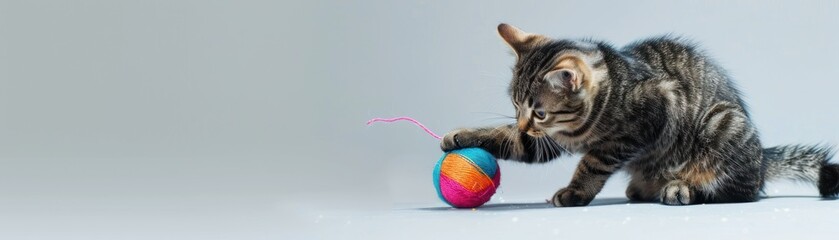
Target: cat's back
x,y
681,61
669,55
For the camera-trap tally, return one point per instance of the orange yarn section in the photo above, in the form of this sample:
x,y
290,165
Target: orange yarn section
x,y
463,171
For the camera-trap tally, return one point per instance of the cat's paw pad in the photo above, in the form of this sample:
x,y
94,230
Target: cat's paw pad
x,y
677,192
460,138
569,197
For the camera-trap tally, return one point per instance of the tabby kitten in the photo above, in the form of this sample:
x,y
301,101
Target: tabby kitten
x,y
660,109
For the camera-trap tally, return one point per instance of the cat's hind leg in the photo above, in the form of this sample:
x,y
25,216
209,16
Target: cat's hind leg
x,y
642,190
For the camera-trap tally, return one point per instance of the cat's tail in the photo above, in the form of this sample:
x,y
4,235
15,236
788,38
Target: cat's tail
x,y
807,163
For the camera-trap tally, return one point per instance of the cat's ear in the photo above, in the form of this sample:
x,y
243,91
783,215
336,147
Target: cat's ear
x,y
520,41
575,72
565,78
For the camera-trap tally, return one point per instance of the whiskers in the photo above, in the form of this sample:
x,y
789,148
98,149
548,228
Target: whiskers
x,y
517,145
507,142
497,116
547,149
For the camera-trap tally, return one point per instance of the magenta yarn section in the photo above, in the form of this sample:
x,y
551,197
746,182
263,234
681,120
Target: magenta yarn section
x,y
460,197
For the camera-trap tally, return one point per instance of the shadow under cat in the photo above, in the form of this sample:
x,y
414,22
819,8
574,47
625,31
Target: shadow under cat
x,y
594,203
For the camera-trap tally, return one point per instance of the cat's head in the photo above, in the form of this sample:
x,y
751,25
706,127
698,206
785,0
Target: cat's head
x,y
554,80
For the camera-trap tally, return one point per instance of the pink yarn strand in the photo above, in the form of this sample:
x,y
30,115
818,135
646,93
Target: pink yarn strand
x,y
390,120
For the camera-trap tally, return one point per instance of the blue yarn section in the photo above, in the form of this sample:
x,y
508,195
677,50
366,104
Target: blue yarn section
x,y
481,158
436,178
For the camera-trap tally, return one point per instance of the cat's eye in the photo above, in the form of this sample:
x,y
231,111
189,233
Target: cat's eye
x,y
540,113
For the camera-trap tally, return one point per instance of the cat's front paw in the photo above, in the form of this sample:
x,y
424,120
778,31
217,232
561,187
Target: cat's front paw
x,y
677,192
460,138
569,197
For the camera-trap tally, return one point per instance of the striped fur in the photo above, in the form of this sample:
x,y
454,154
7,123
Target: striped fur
x,y
659,109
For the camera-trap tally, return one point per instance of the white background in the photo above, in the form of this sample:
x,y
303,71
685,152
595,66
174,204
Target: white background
x,y
245,119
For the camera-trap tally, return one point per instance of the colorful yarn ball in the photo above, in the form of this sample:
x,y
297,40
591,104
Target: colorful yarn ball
x,y
466,178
